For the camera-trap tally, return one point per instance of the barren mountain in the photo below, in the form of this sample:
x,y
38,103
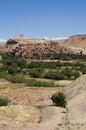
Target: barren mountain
x,y
78,41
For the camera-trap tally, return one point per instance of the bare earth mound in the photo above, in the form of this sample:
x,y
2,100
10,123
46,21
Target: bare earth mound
x,y
76,94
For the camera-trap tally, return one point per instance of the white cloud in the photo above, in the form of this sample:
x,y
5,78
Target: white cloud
x,y
46,38
55,38
59,38
2,40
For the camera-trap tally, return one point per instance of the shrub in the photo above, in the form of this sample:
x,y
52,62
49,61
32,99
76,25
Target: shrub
x,y
76,74
39,64
59,99
13,63
33,82
36,73
63,56
4,101
58,75
16,78
13,78
49,75
12,70
68,72
83,70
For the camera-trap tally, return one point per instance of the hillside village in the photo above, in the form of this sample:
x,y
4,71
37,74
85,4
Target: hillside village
x,y
37,48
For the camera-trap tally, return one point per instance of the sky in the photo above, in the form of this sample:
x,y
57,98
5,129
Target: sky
x,y
42,18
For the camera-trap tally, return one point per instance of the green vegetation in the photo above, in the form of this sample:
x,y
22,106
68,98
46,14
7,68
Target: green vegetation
x,y
61,74
18,70
58,75
33,82
36,73
4,101
59,99
27,82
13,64
13,78
63,56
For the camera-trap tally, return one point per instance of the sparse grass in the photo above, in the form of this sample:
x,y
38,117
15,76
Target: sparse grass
x,y
58,83
13,78
34,82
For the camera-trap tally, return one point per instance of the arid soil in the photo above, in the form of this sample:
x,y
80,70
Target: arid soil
x,y
32,109
76,95
27,108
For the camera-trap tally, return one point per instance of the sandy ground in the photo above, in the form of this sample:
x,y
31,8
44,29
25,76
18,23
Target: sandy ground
x,y
30,108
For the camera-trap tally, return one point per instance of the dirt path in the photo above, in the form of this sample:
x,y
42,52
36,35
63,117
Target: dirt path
x,y
53,118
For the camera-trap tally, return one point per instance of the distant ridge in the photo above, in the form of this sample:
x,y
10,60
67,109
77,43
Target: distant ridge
x,y
78,41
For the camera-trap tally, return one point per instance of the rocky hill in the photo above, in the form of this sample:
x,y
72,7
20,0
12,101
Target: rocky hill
x,y
36,48
77,42
31,48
